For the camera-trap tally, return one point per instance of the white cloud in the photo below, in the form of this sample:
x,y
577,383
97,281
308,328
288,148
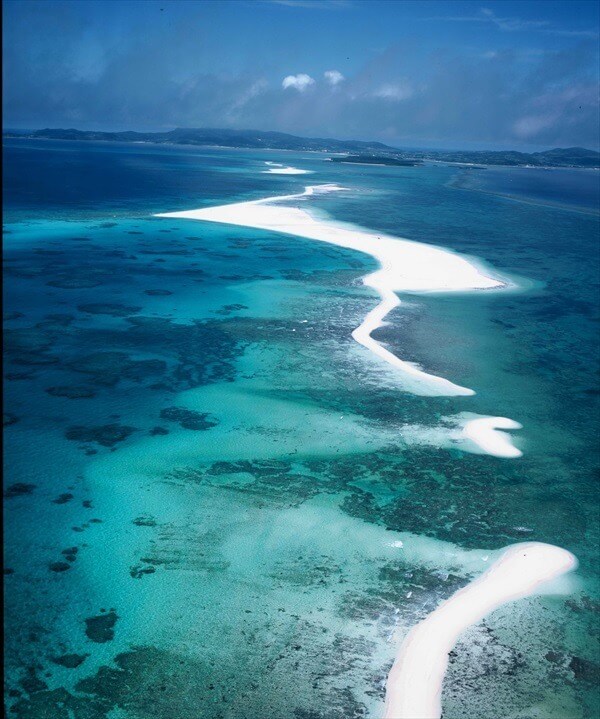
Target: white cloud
x,y
299,82
313,4
531,125
333,77
516,24
396,92
511,24
258,87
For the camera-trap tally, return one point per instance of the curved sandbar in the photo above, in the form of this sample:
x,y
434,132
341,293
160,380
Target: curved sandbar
x,y
406,266
414,684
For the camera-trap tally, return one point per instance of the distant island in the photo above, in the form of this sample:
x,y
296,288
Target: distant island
x,y
368,152
249,139
375,160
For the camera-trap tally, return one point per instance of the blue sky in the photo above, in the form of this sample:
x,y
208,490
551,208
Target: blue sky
x,y
434,74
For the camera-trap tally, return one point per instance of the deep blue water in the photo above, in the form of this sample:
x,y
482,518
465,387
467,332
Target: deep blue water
x,y
205,475
571,188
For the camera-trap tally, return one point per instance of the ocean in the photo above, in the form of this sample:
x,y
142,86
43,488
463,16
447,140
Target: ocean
x,y
218,504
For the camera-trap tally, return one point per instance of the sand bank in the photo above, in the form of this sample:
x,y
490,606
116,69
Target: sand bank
x,y
469,432
414,683
278,169
485,433
405,266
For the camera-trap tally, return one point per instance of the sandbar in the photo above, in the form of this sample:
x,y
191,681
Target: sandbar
x,y
414,684
405,266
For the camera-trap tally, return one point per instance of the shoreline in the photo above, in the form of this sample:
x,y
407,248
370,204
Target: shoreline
x,y
405,266
414,684
424,160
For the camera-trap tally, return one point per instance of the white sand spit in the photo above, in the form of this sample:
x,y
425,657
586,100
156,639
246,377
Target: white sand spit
x,y
406,266
277,169
286,171
414,683
467,431
486,434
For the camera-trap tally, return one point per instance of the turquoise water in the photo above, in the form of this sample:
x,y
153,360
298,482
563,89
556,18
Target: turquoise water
x,y
205,490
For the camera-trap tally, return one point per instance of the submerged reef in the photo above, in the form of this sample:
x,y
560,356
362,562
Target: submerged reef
x,y
106,435
101,628
188,419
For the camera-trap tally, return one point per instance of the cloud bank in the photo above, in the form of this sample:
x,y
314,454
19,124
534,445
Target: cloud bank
x,y
399,94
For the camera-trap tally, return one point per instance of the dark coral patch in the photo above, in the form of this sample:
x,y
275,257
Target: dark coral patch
x,y
156,431
101,628
106,435
63,498
26,339
74,283
70,554
32,683
70,661
71,392
144,521
108,368
228,309
188,418
108,308
585,670
158,293
18,489
138,571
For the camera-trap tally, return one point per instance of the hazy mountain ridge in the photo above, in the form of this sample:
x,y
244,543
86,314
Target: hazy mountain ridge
x,y
222,137
254,139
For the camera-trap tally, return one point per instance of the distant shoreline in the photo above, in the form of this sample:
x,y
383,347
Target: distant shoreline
x,y
573,158
425,161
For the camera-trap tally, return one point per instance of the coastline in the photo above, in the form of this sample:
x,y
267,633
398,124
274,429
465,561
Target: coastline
x,y
423,160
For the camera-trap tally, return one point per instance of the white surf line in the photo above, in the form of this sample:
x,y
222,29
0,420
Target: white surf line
x,y
405,266
414,684
279,169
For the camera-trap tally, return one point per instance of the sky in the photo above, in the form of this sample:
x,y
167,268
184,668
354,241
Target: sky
x,y
409,73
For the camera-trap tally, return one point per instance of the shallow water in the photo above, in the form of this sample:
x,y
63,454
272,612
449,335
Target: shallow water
x,y
207,489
